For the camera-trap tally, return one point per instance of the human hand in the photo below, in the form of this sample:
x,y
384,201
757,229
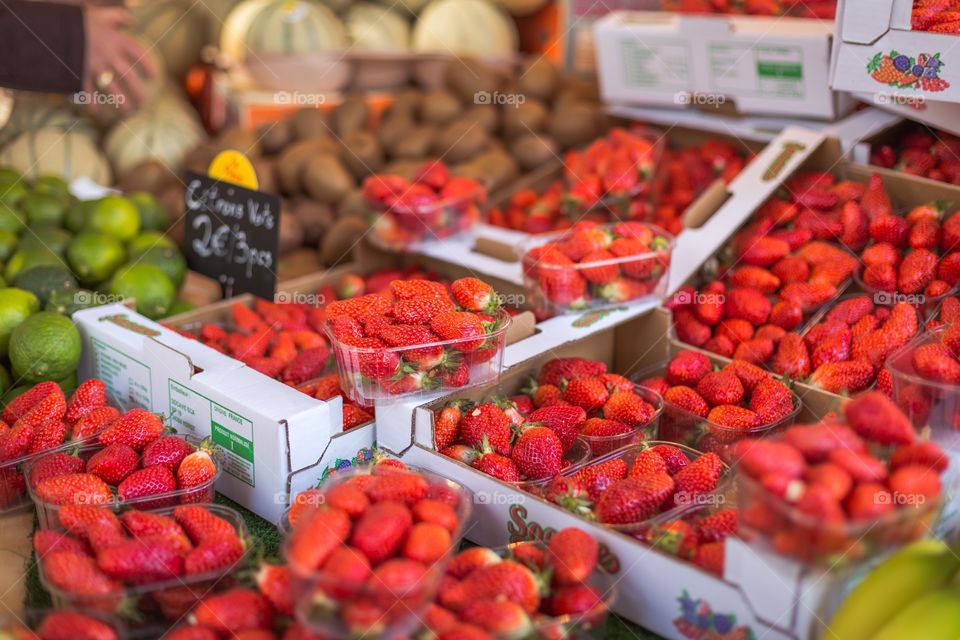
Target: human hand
x,y
117,63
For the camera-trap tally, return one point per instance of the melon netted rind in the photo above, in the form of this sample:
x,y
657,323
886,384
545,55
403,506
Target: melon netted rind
x,y
50,150
287,27
465,27
375,27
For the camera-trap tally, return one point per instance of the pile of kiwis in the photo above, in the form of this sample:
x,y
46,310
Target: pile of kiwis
x,y
491,124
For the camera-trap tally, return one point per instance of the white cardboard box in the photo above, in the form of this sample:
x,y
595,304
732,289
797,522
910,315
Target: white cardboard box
x,y
264,429
777,66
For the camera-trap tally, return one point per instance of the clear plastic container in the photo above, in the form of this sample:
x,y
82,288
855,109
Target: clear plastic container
x,y
554,289
33,617
320,600
602,445
400,228
680,426
48,513
926,306
575,456
165,600
354,364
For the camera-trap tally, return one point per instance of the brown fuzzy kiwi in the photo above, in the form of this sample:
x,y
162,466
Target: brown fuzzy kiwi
x,y
362,153
275,136
341,240
406,104
532,151
266,178
393,128
351,115
460,141
299,262
574,123
308,122
353,204
417,143
467,76
199,158
314,217
439,107
148,175
243,140
289,164
171,199
574,89
291,233
530,116
539,79
485,115
325,179
499,168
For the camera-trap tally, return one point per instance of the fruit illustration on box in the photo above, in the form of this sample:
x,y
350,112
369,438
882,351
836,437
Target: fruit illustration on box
x,y
697,620
900,71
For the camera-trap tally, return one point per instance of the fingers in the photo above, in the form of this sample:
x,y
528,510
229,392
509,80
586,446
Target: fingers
x,y
133,50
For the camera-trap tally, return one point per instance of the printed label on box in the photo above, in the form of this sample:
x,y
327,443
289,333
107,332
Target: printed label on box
x,y
519,529
662,65
772,72
128,380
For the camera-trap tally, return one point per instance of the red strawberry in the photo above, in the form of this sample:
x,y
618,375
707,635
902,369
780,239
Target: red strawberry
x,y
74,488
786,314
573,555
464,328
91,394
949,268
831,476
19,406
167,451
214,555
687,399
755,278
736,330
15,442
687,368
113,463
471,559
861,466
473,294
914,484
596,478
918,269
498,466
72,625
875,417
710,557
674,457
397,484
554,372
840,377
234,611
46,541
316,537
54,464
136,428
890,229
140,561
149,481
747,304
689,329
628,408
500,617
587,393
508,580
381,531
833,348
757,458
648,462
792,358
764,251
816,441
708,306
721,345
200,524
354,416
565,420
926,454
537,453
487,420
78,574
426,543
855,226
718,526
755,350
696,479
634,499
875,201
869,501
196,469
791,269
734,417
94,422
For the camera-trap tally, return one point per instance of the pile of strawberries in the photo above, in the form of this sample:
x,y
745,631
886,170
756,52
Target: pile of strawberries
x,y
327,388
434,205
532,435
922,152
698,536
525,590
817,491
823,9
709,409
947,313
98,555
594,265
419,335
366,554
136,463
632,486
42,419
846,350
63,625
938,358
936,16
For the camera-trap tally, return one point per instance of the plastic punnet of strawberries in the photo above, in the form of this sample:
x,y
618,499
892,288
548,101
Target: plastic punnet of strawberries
x,y
936,16
697,534
709,409
823,9
52,624
630,486
924,152
419,336
527,589
594,266
42,420
925,379
370,555
572,406
434,205
97,560
841,490
134,462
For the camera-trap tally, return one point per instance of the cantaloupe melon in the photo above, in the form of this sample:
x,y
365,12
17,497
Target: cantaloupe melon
x,y
177,29
164,131
474,27
522,7
375,27
215,14
50,150
281,27
33,111
412,7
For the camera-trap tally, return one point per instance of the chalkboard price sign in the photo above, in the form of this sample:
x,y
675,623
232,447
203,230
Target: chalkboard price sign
x,y
232,235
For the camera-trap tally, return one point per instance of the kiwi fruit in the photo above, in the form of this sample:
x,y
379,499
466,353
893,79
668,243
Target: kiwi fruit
x,y
314,217
484,115
405,104
393,128
325,178
289,165
573,89
199,158
539,79
532,151
291,233
498,168
275,136
171,199
466,77
574,123
439,107
523,118
341,239
243,140
362,153
308,122
351,115
298,263
352,204
265,175
147,175
416,143
460,141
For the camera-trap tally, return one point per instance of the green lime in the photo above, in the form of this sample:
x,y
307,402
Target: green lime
x,y
14,192
16,305
53,185
11,394
146,284
8,174
94,257
153,217
26,258
43,208
180,306
77,215
46,346
170,261
8,244
53,239
147,240
11,219
66,302
43,280
115,216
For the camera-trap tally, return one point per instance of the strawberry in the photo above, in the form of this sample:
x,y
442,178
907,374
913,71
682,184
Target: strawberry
x,y
360,307
426,543
831,476
687,399
816,441
581,600
80,518
721,345
708,306
879,254
315,538
861,466
629,408
771,401
914,484
734,417
749,374
786,314
757,458
875,202
755,278
747,304
507,580
587,393
234,611
380,532
91,394
791,269
882,277
214,555
167,451
113,463
19,406
569,494
851,310
889,229
354,416
658,384
436,512
698,478
710,557
934,361
565,420
77,574
136,428
601,267
72,625
840,377
718,526
559,279
770,332
687,368
463,328
142,524
537,453
634,499
949,268
554,372
596,478
689,329
500,617
93,422
855,226
47,435
764,251
15,442
918,269
467,561
498,466
926,454
869,501
676,537
200,524
397,484
487,420
924,234
54,464
140,561
149,481
792,358
755,350
274,583
74,488
875,417
196,469
573,555
306,365
808,295
47,541
833,348
674,457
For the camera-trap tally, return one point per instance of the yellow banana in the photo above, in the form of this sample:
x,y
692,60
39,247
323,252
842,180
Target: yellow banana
x,y
917,569
935,616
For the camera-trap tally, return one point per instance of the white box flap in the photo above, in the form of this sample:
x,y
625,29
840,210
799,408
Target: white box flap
x,y
865,22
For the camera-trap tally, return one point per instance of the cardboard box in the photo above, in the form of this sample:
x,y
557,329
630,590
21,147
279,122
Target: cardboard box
x,y
771,595
940,115
872,35
577,18
776,66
